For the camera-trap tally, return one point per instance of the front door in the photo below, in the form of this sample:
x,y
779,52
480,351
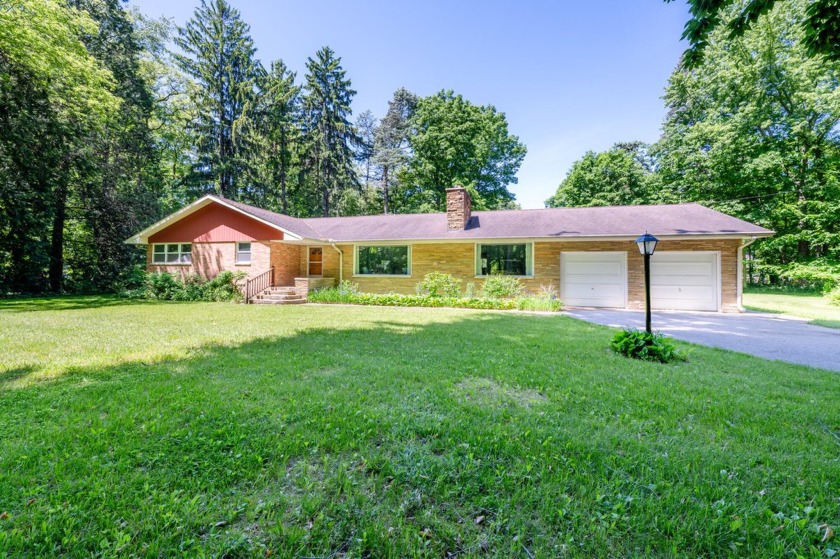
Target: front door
x,y
316,261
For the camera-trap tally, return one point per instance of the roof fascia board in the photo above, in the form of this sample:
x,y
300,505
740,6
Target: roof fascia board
x,y
578,239
142,237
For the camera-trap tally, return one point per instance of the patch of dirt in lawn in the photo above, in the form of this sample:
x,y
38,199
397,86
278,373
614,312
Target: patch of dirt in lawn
x,y
487,392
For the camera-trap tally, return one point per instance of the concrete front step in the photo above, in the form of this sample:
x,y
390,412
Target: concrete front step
x,y
278,296
271,301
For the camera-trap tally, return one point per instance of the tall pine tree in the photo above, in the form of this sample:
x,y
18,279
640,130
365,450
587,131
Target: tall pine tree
x,y
277,132
391,146
330,134
218,54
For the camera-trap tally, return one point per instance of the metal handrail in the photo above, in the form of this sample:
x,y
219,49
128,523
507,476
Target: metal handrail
x,y
258,284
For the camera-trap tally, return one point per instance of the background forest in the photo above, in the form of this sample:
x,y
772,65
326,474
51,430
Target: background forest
x,y
110,120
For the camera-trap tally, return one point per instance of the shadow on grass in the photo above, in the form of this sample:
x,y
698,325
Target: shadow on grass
x,y
68,303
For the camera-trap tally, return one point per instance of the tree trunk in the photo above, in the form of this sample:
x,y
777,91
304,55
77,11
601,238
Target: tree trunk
x,y
56,270
385,188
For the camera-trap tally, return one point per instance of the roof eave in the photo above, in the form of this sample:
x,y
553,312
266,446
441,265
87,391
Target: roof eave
x,y
142,238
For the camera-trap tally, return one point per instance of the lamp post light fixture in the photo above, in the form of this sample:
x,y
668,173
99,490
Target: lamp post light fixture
x,y
647,245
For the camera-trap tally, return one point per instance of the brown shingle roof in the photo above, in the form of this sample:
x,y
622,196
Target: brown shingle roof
x,y
611,221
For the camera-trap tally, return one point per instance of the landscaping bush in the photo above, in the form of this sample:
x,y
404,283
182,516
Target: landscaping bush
x,y
334,295
500,286
168,287
439,284
470,292
545,299
647,347
163,286
834,297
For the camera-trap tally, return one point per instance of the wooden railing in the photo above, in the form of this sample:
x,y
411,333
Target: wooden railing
x,y
258,284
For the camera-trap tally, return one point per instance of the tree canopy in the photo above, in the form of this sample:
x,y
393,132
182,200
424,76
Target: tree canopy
x,y
457,143
622,175
820,25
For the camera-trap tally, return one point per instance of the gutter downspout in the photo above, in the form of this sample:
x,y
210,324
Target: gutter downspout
x,y
340,262
741,273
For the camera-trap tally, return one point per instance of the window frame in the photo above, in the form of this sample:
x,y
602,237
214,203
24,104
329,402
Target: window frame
x,y
529,259
237,251
166,252
357,247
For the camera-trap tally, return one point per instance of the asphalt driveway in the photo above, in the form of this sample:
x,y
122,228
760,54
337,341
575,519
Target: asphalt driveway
x,y
764,335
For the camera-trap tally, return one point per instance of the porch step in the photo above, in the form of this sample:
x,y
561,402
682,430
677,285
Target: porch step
x,y
277,301
282,295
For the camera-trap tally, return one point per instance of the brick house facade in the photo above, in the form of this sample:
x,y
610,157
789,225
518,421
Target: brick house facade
x,y
314,252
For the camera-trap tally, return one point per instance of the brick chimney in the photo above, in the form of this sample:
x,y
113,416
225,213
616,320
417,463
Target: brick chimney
x,y
458,208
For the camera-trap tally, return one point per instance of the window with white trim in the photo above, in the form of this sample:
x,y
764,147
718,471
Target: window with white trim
x,y
508,259
383,260
172,253
243,253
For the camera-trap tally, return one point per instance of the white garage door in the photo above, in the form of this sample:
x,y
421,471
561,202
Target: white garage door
x,y
686,281
593,279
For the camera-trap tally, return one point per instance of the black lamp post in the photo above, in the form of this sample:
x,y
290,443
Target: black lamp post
x,y
647,244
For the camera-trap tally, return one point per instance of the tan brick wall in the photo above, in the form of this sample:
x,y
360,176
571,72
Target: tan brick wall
x,y
286,261
208,259
458,259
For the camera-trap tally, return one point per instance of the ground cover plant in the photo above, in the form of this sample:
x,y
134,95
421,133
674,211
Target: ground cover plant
x,y
162,429
443,290
638,344
817,307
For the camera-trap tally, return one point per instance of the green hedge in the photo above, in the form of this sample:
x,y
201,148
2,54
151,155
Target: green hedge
x,y
348,295
168,287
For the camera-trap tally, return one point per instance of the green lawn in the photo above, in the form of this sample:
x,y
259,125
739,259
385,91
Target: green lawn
x,y
200,429
805,305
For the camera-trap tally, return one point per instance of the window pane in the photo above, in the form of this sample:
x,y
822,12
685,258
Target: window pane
x,y
171,248
159,249
186,258
186,248
159,258
172,258
385,260
244,247
243,257
504,259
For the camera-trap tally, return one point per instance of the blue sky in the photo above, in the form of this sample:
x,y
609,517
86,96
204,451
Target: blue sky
x,y
571,76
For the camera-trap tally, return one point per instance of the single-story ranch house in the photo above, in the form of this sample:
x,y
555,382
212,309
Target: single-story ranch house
x,y
589,253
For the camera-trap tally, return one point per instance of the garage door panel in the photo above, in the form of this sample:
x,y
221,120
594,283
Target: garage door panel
x,y
701,293
671,279
684,281
683,268
593,279
613,292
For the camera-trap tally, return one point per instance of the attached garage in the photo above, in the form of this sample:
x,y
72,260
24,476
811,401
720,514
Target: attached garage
x,y
687,281
594,279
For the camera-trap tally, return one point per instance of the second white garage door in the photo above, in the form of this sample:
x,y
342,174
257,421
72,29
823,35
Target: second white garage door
x,y
593,279
687,281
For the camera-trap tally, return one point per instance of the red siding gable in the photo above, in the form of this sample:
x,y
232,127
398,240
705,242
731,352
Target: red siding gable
x,y
216,224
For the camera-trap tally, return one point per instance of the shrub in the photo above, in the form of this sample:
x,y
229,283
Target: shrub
x,y
439,284
647,347
347,287
224,287
821,276
834,297
544,299
163,286
167,287
500,286
470,292
332,295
